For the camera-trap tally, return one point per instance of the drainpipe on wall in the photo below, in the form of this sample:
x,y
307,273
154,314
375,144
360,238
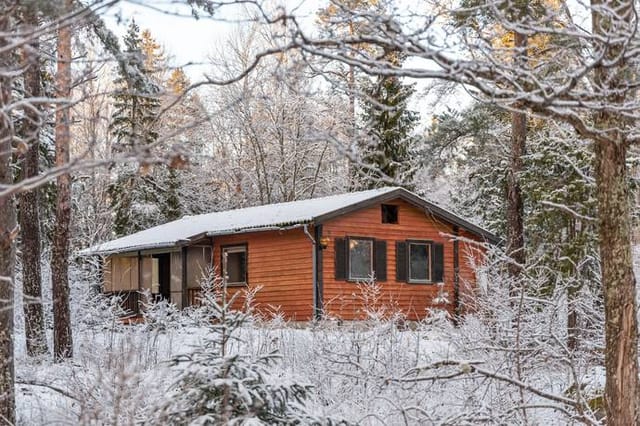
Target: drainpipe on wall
x,y
314,263
456,274
319,307
140,275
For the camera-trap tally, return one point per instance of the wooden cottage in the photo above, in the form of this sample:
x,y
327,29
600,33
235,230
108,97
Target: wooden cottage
x,y
309,257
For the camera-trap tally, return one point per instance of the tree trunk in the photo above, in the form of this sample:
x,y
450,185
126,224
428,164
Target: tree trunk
x,y
62,340
572,319
28,215
7,236
614,216
573,289
515,206
621,340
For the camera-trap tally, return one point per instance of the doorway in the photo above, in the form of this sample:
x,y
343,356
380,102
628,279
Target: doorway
x,y
161,287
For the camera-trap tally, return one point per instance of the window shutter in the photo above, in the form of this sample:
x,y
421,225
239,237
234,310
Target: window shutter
x,y
380,265
340,259
401,261
437,263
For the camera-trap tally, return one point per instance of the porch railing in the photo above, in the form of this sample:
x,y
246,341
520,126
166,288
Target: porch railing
x,y
129,302
193,297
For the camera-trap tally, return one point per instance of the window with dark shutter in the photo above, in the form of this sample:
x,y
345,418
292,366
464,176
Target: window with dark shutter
x,y
419,262
360,260
380,253
401,261
437,263
340,259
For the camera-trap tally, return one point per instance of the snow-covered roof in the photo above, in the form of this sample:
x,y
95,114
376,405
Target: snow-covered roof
x,y
279,215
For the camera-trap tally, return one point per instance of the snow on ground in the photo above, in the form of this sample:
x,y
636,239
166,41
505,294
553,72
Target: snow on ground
x,y
356,370
362,372
129,363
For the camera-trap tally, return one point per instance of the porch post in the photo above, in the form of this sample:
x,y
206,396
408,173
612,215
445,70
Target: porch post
x,y
184,277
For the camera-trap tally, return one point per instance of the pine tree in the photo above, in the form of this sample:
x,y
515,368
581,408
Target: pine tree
x,y
471,148
561,222
8,66
134,124
178,82
62,331
28,201
155,60
388,126
177,119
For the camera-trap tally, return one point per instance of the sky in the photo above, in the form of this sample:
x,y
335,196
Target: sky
x,y
186,39
190,42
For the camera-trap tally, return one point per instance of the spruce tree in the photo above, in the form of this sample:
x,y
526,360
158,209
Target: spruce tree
x,y
134,191
388,125
136,101
172,210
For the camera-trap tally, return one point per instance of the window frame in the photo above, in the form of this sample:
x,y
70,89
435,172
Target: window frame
x,y
383,206
371,242
429,245
235,248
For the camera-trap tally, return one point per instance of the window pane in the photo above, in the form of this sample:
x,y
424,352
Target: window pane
x,y
360,253
236,267
418,262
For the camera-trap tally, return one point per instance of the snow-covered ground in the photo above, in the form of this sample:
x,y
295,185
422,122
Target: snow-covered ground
x,y
361,372
380,371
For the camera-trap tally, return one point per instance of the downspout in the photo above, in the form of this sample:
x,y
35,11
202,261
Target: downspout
x,y
137,296
456,274
314,268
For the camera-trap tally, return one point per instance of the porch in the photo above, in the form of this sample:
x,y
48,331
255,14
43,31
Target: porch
x,y
173,275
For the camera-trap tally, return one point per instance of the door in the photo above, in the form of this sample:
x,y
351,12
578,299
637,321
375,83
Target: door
x,y
161,287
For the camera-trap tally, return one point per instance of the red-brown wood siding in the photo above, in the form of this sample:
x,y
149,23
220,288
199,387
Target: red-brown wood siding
x,y
280,262
344,299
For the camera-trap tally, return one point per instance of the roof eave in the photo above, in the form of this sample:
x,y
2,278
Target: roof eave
x,y
130,249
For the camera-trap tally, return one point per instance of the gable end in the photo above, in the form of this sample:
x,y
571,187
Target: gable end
x,y
418,202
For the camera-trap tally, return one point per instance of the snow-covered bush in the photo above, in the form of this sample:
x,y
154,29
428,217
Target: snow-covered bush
x,y
506,362
376,307
218,386
517,338
158,314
